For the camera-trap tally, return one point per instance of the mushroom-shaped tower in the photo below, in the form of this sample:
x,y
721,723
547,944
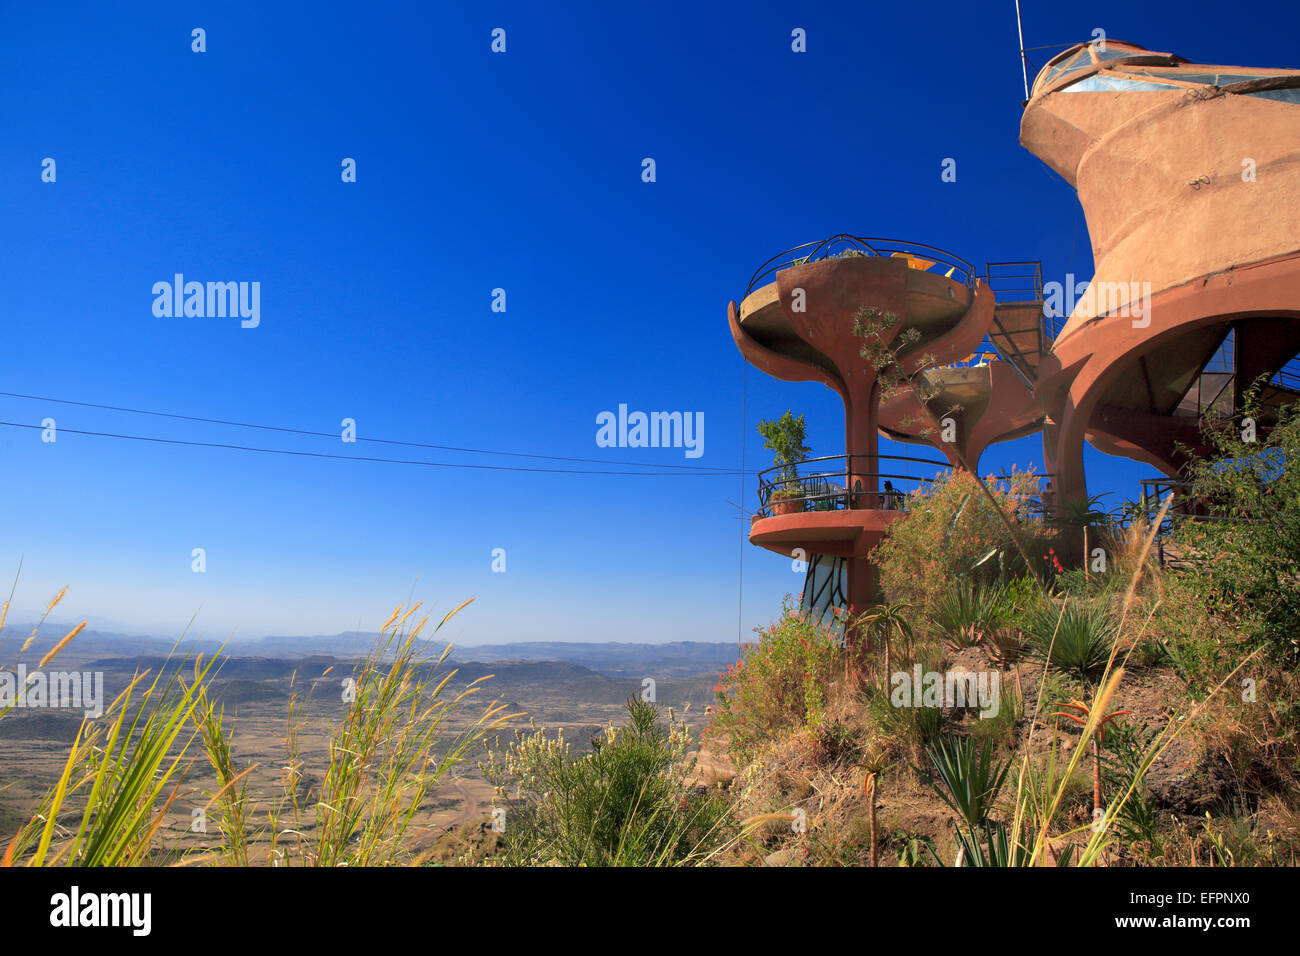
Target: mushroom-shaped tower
x,y
799,321
1189,176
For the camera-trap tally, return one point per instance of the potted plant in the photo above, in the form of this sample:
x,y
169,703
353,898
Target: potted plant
x,y
784,437
786,500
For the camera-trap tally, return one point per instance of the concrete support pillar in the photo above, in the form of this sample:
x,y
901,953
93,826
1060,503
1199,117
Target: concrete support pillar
x,y
1070,484
862,444
861,595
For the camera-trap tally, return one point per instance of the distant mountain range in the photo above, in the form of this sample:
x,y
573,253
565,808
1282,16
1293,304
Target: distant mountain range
x,y
677,658
673,659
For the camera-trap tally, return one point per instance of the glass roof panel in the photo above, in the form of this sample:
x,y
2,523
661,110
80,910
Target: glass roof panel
x,y
1078,61
1096,84
1211,79
1291,95
1118,52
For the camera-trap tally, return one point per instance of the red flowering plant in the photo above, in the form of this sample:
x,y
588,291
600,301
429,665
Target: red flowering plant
x,y
779,683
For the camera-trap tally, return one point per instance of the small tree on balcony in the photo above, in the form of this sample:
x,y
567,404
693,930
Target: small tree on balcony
x,y
883,353
784,437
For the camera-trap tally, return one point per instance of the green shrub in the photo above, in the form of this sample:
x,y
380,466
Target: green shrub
x,y
1193,633
912,728
1001,728
1248,562
779,684
952,532
1127,745
1017,602
1012,606
1075,583
626,803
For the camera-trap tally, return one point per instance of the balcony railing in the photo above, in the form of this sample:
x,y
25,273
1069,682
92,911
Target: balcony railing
x,y
845,246
1184,507
845,482
1015,281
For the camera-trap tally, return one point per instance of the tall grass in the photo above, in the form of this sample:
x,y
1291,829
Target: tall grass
x,y
392,746
59,646
1033,818
231,799
124,764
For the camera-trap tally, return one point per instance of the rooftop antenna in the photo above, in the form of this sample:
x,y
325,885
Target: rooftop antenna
x,y
1024,69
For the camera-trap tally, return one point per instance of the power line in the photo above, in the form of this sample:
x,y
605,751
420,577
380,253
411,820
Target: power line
x,y
379,441
367,458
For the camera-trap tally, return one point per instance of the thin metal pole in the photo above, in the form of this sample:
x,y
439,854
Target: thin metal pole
x,y
1024,69
740,571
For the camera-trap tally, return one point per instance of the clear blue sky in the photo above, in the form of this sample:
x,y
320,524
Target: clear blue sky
x,y
475,171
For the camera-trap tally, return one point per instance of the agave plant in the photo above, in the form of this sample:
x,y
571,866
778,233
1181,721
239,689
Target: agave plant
x,y
967,612
1005,644
1075,637
968,779
966,776
997,848
1083,513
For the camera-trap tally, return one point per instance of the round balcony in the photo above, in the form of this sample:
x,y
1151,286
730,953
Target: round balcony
x,y
921,257
839,505
930,289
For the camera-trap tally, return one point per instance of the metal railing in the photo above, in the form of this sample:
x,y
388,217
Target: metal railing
x,y
1288,376
1185,507
843,483
845,245
1019,283
1015,281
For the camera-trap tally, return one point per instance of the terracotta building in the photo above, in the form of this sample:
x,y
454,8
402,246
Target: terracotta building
x,y
1189,177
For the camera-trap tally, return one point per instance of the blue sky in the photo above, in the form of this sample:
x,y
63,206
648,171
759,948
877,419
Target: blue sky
x,y
475,171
